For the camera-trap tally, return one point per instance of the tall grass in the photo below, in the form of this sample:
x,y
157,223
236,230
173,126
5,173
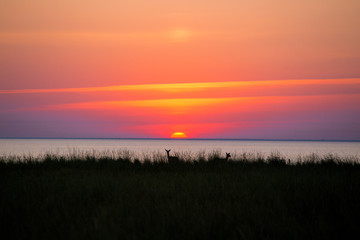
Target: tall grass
x,y
184,156
121,195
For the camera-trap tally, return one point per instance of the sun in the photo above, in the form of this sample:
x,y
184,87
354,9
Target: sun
x,y
178,135
180,35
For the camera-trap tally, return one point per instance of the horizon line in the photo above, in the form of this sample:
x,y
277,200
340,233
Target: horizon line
x,y
177,139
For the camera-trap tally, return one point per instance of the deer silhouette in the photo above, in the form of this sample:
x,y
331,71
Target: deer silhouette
x,y
171,159
223,159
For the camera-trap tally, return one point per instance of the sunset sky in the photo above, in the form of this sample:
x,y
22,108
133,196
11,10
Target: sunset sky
x,y
256,69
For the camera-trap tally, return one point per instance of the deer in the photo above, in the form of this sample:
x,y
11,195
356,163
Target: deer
x,y
223,159
171,159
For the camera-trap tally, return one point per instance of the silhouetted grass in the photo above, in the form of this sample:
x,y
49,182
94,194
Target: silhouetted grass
x,y
119,196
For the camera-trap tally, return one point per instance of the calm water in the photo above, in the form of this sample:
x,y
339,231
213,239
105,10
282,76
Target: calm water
x,y
141,147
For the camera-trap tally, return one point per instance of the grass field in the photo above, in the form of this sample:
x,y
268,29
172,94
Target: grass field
x,y
102,197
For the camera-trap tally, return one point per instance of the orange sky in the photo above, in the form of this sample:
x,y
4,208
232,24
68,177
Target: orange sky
x,y
209,68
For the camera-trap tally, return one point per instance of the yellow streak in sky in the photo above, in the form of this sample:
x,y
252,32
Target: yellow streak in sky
x,y
181,87
157,103
166,106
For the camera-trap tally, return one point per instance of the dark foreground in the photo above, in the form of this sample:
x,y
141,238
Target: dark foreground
x,y
119,199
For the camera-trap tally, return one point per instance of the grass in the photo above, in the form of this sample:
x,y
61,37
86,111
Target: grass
x,y
118,196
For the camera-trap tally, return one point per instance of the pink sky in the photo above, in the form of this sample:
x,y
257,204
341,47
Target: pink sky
x,y
208,68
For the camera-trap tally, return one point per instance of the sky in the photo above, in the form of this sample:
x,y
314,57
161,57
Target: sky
x,y
208,68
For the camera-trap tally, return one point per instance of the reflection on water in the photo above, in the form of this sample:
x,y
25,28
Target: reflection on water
x,y
141,147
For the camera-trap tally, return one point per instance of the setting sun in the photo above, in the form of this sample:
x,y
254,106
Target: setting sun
x,y
178,135
180,35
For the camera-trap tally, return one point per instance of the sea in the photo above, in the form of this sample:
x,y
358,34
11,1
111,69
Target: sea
x,y
139,148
